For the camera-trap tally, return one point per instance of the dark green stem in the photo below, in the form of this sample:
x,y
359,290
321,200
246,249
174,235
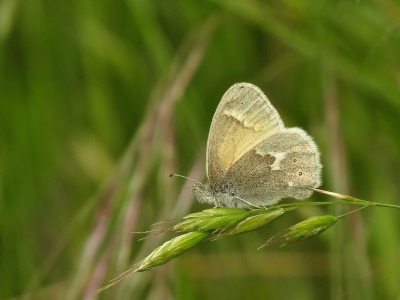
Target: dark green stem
x,y
291,206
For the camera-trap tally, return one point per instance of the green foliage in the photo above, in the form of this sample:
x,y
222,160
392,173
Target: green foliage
x,y
303,230
229,221
101,100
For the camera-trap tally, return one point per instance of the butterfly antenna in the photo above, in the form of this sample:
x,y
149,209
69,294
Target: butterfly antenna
x,y
170,175
186,188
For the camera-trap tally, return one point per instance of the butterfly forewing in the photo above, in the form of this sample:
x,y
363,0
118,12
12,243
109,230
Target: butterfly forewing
x,y
243,119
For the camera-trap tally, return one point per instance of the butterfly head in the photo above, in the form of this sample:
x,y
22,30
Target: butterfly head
x,y
204,194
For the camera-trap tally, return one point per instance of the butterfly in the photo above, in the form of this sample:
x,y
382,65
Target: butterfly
x,y
253,160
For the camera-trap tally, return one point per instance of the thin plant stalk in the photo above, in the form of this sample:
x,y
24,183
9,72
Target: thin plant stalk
x,y
221,222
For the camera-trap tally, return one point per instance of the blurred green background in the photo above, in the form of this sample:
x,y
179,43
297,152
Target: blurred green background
x,y
101,100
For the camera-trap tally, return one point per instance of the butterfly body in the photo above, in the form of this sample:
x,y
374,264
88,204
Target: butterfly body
x,y
252,159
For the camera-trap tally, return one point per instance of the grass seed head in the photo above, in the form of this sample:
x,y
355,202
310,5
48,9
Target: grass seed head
x,y
170,250
305,229
211,220
254,222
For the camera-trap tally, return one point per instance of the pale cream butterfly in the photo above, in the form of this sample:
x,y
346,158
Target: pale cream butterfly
x,y
252,159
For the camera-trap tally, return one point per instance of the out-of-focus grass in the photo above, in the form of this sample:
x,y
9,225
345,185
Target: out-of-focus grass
x,y
101,101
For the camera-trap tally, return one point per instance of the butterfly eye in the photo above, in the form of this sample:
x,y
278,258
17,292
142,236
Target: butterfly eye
x,y
300,173
294,160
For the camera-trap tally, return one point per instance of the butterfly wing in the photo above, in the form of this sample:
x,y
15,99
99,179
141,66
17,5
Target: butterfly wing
x,y
284,165
243,119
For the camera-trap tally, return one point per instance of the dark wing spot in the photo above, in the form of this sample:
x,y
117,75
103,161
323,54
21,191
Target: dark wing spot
x,y
300,173
269,159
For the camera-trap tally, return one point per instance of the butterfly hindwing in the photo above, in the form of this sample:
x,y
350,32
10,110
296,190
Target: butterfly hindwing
x,y
284,165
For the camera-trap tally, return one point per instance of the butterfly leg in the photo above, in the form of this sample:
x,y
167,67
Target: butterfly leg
x,y
219,204
249,204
